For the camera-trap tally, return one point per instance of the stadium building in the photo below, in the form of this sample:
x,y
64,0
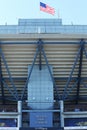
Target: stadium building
x,y
43,75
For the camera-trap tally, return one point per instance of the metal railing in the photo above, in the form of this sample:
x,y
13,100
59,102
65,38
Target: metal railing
x,y
13,115
69,115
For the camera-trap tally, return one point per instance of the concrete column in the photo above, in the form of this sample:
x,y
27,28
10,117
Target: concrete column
x,y
19,123
61,113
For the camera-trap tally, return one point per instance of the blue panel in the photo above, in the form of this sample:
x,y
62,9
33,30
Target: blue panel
x,y
76,122
7,123
40,88
39,22
39,119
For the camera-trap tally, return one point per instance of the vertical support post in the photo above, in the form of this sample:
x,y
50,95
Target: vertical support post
x,y
1,83
40,65
80,70
61,113
40,61
19,114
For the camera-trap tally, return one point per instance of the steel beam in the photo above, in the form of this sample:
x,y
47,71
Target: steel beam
x,y
9,74
41,111
82,82
43,52
40,52
35,42
40,58
2,89
35,56
1,83
80,70
85,52
55,78
70,89
70,76
9,89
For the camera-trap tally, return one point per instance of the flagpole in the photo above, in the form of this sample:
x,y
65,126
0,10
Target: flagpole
x,y
58,14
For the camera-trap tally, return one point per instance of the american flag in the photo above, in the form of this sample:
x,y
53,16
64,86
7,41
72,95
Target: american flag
x,y
46,8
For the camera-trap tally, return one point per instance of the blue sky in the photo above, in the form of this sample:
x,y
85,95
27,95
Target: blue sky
x,y
71,11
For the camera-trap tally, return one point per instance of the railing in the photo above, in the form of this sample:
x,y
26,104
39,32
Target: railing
x,y
63,115
12,115
74,115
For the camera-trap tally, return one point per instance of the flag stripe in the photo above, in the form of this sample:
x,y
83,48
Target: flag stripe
x,y
46,8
